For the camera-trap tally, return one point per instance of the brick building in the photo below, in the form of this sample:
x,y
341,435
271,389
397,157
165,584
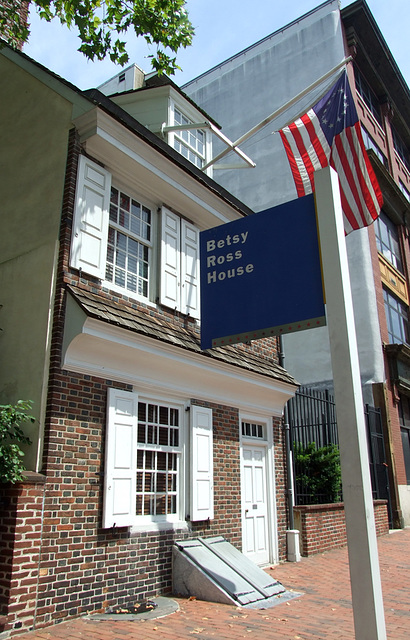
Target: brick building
x,y
140,437
274,71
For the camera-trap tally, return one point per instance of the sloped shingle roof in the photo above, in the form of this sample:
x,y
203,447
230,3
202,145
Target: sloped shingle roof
x,y
143,323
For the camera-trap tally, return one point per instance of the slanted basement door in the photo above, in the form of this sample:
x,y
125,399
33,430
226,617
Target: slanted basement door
x,y
242,581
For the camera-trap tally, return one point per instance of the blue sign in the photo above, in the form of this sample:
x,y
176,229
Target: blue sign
x,y
261,275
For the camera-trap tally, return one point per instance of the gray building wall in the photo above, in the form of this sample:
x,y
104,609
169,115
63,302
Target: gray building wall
x,y
241,92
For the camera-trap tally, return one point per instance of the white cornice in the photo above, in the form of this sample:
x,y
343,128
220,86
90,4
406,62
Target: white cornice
x,y
154,174
151,365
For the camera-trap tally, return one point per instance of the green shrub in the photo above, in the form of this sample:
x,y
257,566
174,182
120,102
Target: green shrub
x,y
318,473
11,417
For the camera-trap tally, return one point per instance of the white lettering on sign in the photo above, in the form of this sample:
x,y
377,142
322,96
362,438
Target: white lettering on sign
x,y
219,258
213,276
211,245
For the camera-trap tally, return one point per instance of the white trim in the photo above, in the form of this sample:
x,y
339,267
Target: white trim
x,y
270,477
180,525
119,354
97,129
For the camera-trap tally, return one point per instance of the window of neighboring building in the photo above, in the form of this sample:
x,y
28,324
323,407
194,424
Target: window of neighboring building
x,y
368,95
404,415
191,143
397,318
405,191
129,242
400,147
387,239
369,143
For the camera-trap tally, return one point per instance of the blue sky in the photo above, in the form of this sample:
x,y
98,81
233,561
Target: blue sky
x,y
223,28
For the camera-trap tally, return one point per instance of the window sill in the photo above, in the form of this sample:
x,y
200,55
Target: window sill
x,y
148,527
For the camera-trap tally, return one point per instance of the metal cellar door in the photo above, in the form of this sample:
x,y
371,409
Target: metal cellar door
x,y
212,569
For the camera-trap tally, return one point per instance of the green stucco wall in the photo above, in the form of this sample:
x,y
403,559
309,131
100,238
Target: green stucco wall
x,y
34,125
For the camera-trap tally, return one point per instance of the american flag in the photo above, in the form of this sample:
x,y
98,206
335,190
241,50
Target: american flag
x,y
330,134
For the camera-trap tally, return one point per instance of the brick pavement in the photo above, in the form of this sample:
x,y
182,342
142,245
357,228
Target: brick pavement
x,y
324,612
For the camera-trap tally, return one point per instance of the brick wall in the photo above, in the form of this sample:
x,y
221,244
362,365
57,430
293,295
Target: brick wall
x,y
64,564
21,7
20,539
322,526
77,566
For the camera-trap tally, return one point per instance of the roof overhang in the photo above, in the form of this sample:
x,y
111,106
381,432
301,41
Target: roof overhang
x,y
94,347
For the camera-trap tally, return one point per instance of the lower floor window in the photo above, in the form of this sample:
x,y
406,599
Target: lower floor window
x,y
405,436
158,460
147,464
404,417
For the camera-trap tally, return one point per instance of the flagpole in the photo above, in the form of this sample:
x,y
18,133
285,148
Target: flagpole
x,y
364,567
278,112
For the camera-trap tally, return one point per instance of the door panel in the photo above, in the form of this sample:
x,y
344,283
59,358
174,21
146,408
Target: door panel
x,y
254,504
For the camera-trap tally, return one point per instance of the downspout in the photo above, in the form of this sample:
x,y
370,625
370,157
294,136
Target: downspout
x,y
292,534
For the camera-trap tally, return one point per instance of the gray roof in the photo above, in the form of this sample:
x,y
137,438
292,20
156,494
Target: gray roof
x,y
144,322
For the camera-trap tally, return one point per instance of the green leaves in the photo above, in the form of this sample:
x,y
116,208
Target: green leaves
x,y
162,23
11,417
318,472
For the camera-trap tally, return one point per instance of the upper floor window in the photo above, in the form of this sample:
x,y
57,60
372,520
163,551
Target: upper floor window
x,y
400,148
387,239
128,246
405,191
397,319
118,239
369,143
369,97
189,142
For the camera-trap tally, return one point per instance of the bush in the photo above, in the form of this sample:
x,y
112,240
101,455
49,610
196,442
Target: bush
x,y
11,417
318,473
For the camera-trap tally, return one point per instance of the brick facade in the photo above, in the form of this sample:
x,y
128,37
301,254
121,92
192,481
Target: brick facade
x,y
76,566
62,562
21,7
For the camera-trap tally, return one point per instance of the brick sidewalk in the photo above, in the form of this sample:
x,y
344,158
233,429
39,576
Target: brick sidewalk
x,y
324,612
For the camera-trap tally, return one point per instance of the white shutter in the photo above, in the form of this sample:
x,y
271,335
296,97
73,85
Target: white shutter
x,y
202,482
120,459
190,269
91,218
170,259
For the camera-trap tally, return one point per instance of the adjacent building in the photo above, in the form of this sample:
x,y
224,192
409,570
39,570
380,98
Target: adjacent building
x,y
243,91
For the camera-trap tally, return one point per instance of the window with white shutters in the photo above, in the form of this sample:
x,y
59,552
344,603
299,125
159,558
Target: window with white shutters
x,y
179,264
114,240
144,465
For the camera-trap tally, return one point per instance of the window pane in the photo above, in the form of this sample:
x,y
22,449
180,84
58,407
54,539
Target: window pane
x,y
157,463
387,238
127,256
397,318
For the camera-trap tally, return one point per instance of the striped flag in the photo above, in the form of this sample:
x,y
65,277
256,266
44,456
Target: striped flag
x,y
330,134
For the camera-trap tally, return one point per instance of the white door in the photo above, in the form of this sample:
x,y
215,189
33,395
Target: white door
x,y
255,536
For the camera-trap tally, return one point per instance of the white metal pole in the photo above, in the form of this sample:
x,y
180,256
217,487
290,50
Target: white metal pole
x,y
277,113
365,579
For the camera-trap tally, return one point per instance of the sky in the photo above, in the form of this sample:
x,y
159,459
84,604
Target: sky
x,y
222,29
